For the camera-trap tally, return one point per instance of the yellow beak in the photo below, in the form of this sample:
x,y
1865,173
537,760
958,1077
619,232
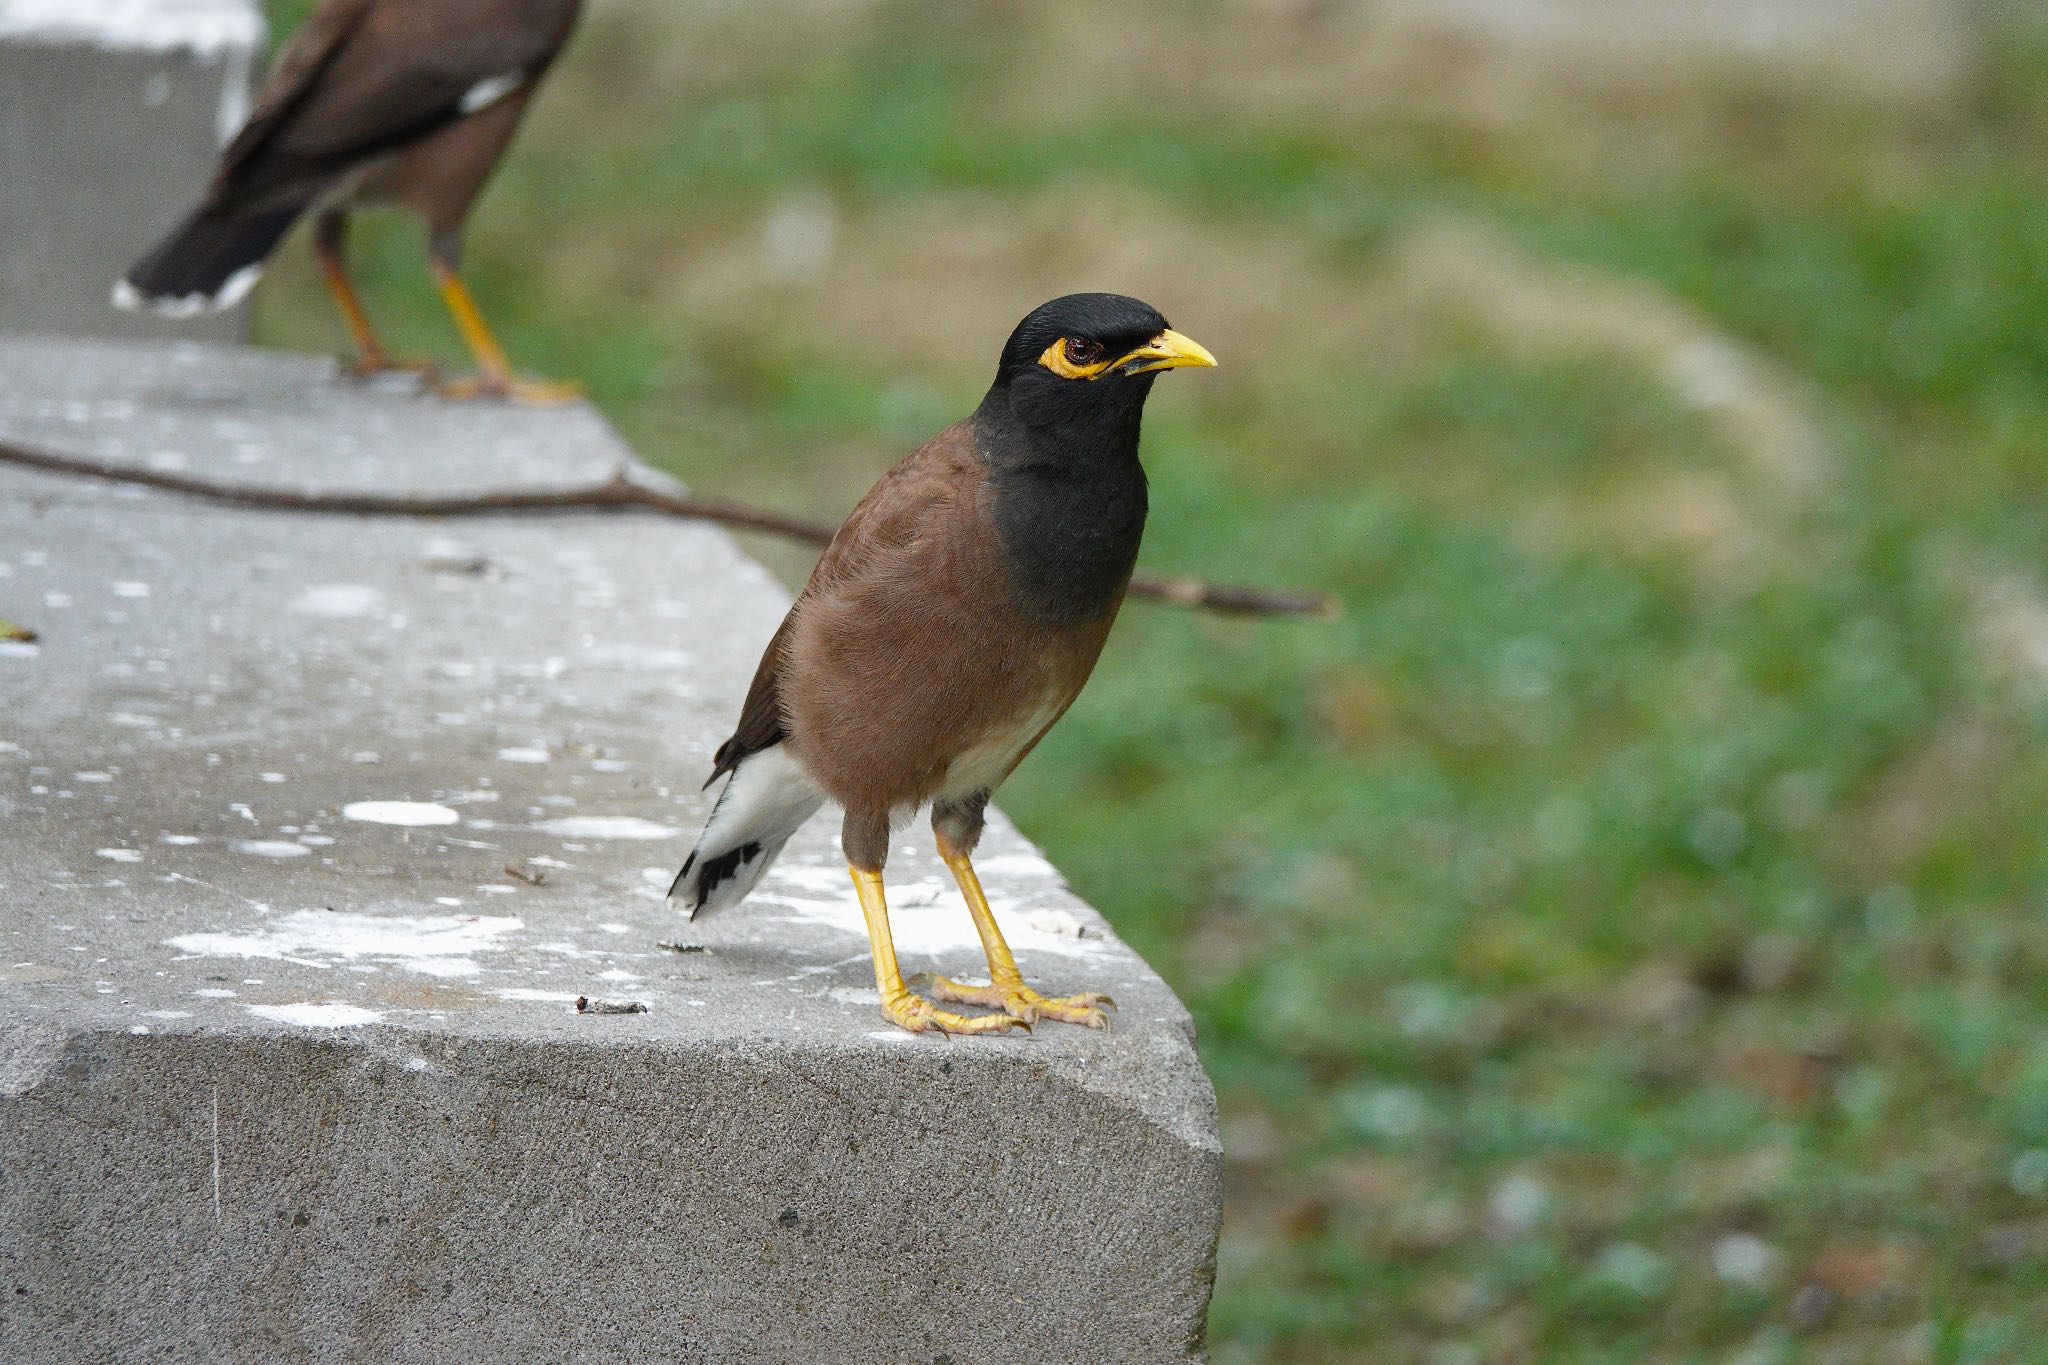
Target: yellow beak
x,y
1167,351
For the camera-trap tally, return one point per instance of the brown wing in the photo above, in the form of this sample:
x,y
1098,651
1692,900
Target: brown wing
x,y
299,63
366,76
893,511
760,724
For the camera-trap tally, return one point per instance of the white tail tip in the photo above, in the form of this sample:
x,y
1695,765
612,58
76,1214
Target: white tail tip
x,y
233,290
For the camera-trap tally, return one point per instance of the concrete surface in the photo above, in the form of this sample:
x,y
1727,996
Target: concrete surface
x,y
281,1080
111,115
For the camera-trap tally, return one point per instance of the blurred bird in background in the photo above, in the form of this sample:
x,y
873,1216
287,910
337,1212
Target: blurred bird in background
x,y
949,624
408,103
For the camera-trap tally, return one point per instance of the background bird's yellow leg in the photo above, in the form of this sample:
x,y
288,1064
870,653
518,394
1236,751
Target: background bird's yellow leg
x,y
329,244
1006,990
494,373
370,354
901,1007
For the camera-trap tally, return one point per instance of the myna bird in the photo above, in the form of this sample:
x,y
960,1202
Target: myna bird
x,y
402,102
950,623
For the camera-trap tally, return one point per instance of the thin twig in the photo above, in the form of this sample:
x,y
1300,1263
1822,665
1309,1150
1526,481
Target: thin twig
x,y
618,493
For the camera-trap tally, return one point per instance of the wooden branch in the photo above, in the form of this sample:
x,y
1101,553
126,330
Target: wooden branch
x,y
618,493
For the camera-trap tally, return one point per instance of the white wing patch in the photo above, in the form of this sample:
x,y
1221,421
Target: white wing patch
x,y
488,92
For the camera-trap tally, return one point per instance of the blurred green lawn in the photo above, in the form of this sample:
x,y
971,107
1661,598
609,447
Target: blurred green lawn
x,y
1620,937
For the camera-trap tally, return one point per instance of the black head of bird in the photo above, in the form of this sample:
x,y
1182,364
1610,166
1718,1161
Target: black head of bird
x,y
1059,430
1078,369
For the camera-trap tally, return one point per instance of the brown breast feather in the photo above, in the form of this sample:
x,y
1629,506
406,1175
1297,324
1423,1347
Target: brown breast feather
x,y
908,652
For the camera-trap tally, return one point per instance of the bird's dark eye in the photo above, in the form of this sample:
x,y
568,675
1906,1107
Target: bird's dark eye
x,y
1082,351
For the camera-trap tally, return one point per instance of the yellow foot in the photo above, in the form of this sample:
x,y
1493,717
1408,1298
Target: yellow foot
x,y
919,1015
534,392
1021,1002
369,367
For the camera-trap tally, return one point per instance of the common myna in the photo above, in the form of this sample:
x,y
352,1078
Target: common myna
x,y
401,102
951,621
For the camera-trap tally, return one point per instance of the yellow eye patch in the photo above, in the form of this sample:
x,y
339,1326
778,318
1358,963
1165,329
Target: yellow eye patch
x,y
1055,359
1167,351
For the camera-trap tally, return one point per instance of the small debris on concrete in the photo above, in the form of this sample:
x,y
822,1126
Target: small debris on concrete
x,y
520,874
586,1005
668,947
452,557
18,634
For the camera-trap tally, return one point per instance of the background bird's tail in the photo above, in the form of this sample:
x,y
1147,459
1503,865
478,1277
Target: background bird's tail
x,y
209,262
765,801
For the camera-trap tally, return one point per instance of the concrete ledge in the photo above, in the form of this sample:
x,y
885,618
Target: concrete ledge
x,y
282,1081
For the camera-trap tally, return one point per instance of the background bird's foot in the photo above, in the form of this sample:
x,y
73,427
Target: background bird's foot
x,y
534,392
1022,1003
375,366
920,1015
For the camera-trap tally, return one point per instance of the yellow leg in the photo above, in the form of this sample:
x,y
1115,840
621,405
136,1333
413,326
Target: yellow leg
x,y
901,1007
1006,990
371,356
329,236
494,378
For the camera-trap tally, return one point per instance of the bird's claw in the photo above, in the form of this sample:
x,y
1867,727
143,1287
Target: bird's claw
x,y
1022,1003
919,1015
509,389
374,367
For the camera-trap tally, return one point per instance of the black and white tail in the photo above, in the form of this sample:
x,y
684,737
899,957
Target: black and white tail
x,y
211,261
767,798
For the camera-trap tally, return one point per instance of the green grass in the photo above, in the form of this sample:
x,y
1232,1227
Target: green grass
x,y
1652,855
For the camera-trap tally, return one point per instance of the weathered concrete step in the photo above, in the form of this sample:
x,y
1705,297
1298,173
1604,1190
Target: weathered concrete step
x,y
290,1072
